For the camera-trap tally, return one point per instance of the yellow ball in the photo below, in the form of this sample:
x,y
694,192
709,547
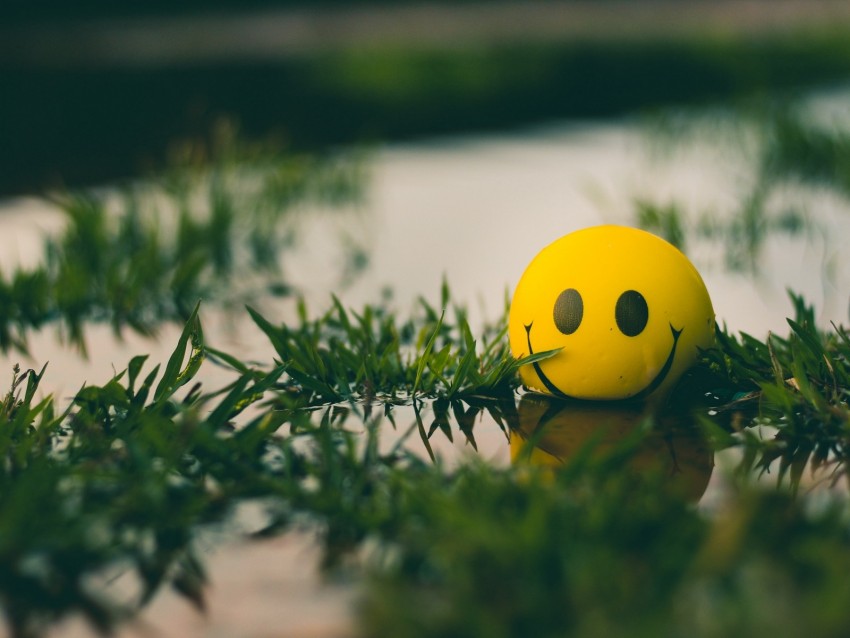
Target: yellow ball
x,y
627,309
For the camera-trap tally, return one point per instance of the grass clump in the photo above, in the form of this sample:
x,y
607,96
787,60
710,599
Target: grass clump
x,y
120,482
115,484
344,355
145,254
797,385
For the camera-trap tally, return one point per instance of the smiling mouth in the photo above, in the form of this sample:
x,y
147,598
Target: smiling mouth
x,y
649,389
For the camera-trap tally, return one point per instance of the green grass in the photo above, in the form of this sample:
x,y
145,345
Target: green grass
x,y
120,481
144,254
350,356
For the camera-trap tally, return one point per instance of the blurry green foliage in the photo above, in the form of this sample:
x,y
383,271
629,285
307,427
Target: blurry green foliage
x,y
115,118
594,554
791,150
145,254
798,149
664,221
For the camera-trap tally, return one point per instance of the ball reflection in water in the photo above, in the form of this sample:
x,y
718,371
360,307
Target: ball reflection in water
x,y
551,432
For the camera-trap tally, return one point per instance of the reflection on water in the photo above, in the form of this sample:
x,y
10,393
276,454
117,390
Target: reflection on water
x,y
552,432
532,428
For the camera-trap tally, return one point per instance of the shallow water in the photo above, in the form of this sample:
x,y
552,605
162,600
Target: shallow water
x,y
474,211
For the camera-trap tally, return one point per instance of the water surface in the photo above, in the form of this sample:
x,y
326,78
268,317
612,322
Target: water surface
x,y
474,211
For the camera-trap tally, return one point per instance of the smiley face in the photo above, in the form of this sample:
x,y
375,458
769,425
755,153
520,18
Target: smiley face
x,y
627,309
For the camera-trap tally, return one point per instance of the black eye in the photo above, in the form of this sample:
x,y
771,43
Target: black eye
x,y
569,309
631,313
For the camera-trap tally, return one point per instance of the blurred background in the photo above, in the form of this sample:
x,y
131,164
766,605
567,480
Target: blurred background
x,y
93,91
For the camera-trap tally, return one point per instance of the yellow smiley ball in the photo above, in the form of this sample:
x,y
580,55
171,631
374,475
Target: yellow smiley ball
x,y
627,309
